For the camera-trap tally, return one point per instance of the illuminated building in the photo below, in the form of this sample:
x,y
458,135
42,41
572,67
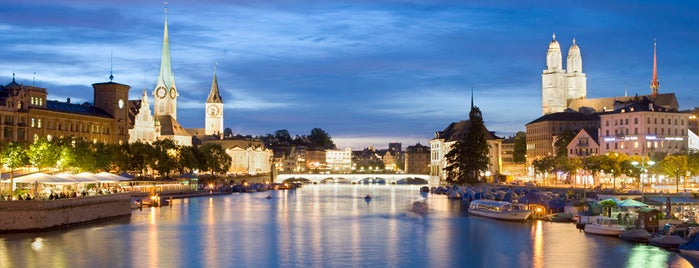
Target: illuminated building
x,y
541,132
339,160
585,143
26,114
639,127
417,159
559,86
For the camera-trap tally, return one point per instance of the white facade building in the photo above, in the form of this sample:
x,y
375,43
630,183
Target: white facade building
x,y
339,160
143,128
642,128
560,86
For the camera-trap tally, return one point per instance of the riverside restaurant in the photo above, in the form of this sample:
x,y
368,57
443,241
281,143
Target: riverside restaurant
x,y
42,186
43,201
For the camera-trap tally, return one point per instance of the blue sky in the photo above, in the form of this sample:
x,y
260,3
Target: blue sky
x,y
367,72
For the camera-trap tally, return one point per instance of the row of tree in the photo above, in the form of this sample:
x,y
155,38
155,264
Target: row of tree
x,y
317,139
163,157
618,164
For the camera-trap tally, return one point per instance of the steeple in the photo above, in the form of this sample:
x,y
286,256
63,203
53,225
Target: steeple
x,y
654,84
472,97
166,75
214,96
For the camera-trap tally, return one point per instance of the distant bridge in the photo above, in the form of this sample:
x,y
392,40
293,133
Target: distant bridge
x,y
355,178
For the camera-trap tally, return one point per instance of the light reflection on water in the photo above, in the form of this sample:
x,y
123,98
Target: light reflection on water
x,y
321,226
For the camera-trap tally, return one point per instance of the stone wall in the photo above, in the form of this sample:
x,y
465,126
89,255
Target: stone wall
x,y
31,215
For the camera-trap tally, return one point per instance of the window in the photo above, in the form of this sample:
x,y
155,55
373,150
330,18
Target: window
x,y
39,123
626,121
32,124
635,120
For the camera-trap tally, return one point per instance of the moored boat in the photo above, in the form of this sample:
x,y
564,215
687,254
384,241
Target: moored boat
x,y
691,248
636,235
605,226
499,210
561,217
667,241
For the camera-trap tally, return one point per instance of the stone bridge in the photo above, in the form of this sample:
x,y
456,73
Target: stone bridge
x,y
356,178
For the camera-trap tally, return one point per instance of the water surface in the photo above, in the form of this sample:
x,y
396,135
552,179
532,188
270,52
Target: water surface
x,y
323,226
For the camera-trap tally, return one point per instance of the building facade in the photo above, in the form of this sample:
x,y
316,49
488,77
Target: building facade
x,y
584,144
560,86
26,115
339,160
641,128
541,133
417,159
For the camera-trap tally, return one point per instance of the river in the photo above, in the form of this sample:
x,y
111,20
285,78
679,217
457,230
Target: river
x,y
323,226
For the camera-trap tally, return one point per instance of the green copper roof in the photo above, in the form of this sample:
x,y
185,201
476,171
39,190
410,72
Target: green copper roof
x,y
166,75
214,96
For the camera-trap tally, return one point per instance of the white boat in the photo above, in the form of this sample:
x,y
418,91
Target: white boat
x,y
499,210
605,226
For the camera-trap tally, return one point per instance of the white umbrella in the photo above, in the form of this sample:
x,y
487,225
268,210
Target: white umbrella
x,y
42,178
112,177
76,178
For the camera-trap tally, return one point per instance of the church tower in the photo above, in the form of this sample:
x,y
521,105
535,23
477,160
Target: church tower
x,y
576,82
553,80
165,93
214,110
654,83
165,98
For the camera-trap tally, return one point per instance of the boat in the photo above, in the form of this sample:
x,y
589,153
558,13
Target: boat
x,y
605,226
500,210
561,217
691,248
667,241
636,235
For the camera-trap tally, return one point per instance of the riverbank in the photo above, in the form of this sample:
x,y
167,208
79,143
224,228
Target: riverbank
x,y
45,215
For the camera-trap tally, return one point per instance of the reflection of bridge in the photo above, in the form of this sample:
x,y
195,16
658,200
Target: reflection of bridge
x,y
356,178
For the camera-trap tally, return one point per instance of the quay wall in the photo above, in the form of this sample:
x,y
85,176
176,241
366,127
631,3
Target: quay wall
x,y
32,215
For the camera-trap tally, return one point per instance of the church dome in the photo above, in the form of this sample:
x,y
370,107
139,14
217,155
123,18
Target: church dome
x,y
554,44
574,49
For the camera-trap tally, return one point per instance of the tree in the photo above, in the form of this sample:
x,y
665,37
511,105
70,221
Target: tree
x,y
142,156
43,153
674,165
455,159
227,133
189,159
520,153
476,148
283,137
13,156
215,158
164,156
544,165
320,139
562,141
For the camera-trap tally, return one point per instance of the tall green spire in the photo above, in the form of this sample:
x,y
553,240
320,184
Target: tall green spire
x,y
166,75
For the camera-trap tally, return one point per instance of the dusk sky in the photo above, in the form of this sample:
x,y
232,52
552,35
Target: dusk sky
x,y
367,72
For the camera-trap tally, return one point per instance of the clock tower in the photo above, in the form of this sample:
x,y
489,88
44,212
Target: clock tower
x,y
214,111
165,92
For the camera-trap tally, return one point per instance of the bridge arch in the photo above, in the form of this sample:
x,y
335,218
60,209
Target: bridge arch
x,y
356,178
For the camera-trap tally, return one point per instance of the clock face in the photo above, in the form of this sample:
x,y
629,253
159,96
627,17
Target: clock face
x,y
173,93
213,110
160,92
121,104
